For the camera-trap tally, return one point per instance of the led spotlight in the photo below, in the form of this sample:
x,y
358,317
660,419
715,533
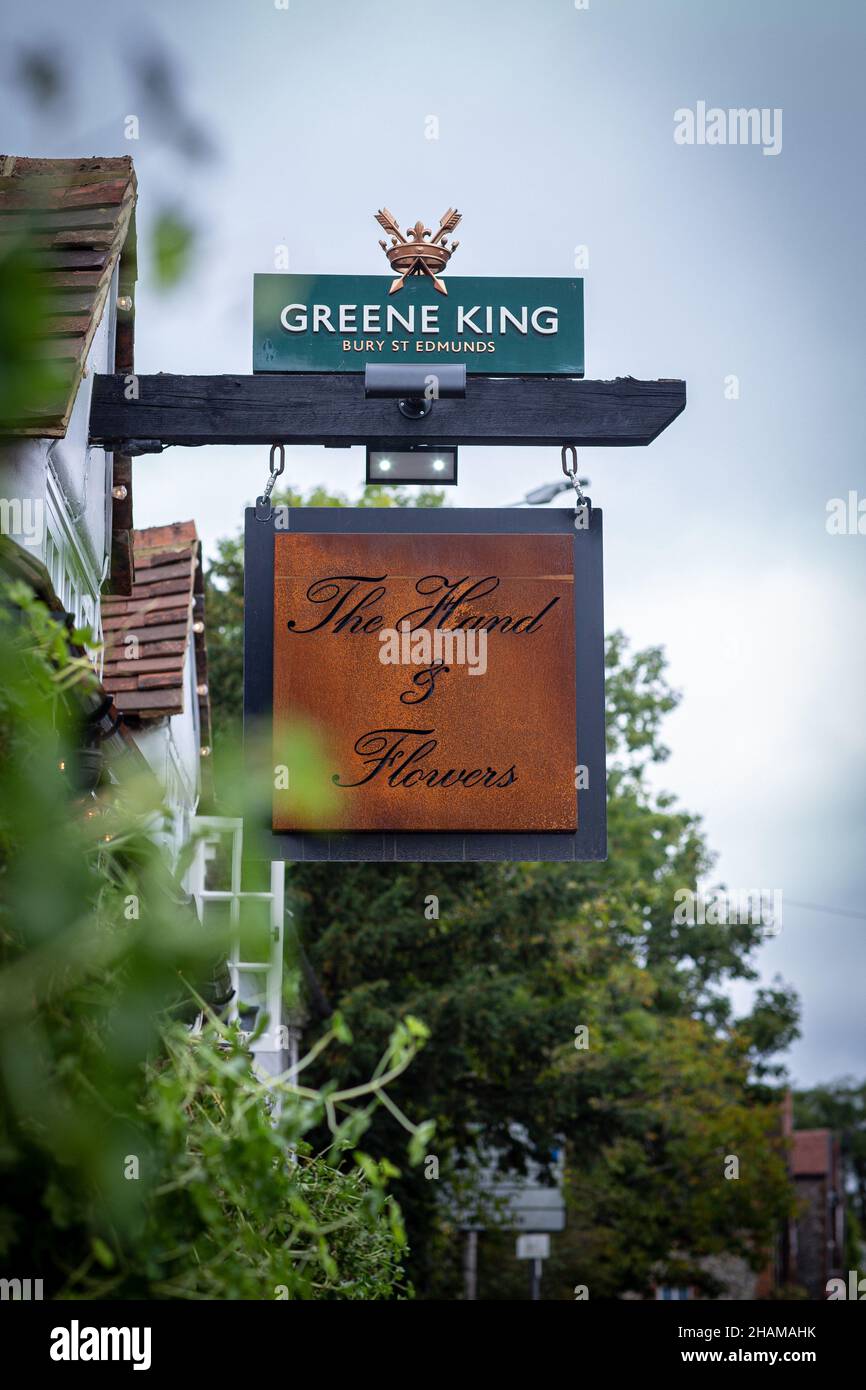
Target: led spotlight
x,y
417,463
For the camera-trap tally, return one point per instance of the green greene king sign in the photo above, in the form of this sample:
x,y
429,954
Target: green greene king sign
x,y
339,323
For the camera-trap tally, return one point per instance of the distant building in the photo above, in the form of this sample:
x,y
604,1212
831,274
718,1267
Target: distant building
x,y
819,1227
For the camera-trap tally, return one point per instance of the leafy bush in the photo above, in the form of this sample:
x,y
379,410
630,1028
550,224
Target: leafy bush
x,y
139,1159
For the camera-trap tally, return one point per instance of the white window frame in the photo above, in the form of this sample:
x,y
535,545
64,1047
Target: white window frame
x,y
71,576
208,829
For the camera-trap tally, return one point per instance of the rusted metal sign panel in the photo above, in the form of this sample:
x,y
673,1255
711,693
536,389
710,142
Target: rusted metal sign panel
x,y
448,667
439,674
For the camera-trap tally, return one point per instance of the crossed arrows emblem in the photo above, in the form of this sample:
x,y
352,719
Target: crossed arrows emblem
x,y
413,254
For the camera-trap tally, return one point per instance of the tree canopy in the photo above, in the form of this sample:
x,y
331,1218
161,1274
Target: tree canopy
x,y
505,962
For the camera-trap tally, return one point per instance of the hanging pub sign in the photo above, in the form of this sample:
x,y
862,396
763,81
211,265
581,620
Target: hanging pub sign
x,y
449,666
494,325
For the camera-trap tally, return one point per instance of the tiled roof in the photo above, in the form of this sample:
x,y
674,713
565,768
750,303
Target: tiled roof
x,y
146,634
73,218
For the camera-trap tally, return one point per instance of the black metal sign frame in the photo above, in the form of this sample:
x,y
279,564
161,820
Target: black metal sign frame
x,y
589,842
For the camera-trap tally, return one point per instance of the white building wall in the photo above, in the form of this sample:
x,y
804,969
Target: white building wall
x,y
171,746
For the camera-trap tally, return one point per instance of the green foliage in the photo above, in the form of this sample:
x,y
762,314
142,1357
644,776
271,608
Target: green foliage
x,y
855,1256
374,495
30,382
173,241
648,1198
138,1160
654,1201
522,954
519,956
224,607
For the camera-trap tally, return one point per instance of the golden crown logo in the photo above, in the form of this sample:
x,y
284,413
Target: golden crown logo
x,y
414,254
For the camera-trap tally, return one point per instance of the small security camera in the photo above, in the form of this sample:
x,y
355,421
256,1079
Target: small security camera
x,y
415,386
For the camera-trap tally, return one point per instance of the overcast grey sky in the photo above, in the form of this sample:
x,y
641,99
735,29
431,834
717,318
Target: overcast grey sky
x,y
556,131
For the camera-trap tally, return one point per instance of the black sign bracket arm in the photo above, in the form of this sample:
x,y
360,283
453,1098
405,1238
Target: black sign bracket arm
x,y
331,409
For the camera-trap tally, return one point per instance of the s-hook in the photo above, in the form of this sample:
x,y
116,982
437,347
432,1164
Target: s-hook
x,y
582,504
264,510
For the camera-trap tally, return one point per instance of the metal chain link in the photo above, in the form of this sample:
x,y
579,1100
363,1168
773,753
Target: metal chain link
x,y
263,503
571,473
275,471
582,504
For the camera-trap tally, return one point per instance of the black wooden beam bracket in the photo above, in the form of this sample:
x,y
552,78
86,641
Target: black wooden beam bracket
x,y
332,409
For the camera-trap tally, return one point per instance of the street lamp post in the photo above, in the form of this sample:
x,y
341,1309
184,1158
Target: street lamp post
x,y
540,496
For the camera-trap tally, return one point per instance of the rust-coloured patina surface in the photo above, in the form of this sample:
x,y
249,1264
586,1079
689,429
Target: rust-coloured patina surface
x,y
439,672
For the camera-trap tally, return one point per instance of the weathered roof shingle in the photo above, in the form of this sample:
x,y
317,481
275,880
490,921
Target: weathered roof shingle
x,y
74,218
146,634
